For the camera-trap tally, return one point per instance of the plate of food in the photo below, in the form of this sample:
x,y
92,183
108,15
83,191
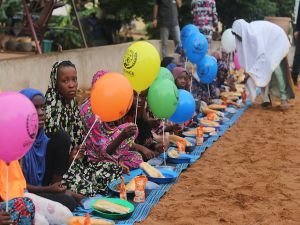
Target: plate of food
x,y
159,175
112,208
114,186
174,138
173,156
193,132
208,123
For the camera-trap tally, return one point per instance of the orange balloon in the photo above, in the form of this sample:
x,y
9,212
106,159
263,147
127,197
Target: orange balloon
x,y
111,97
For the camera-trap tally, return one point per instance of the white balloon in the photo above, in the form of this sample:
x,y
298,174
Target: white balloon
x,y
228,41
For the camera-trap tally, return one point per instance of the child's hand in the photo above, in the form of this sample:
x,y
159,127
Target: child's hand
x,y
5,218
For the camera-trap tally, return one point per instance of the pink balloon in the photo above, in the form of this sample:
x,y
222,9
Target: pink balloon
x,y
236,61
18,125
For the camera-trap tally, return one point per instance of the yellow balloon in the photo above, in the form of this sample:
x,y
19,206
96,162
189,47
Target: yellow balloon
x,y
141,64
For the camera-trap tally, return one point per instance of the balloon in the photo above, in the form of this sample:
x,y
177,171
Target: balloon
x,y
164,73
228,41
18,125
236,61
186,32
185,109
111,97
163,98
141,64
196,47
207,69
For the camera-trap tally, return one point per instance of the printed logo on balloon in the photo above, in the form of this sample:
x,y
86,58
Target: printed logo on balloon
x,y
141,64
129,61
32,125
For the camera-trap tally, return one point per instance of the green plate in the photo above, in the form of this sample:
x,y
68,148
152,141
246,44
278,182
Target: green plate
x,y
114,216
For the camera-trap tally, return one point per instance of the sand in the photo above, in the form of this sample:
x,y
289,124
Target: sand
x,y
251,175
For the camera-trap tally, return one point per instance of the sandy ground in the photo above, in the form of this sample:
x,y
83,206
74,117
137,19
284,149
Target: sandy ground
x,y
251,175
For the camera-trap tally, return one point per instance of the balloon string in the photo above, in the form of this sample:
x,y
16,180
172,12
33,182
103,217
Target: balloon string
x,y
191,85
208,90
136,108
185,63
165,157
7,196
84,140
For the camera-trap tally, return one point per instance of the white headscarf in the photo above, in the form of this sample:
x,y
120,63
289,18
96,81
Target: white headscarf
x,y
263,46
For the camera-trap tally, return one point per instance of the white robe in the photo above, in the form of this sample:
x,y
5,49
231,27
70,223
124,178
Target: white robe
x,y
263,46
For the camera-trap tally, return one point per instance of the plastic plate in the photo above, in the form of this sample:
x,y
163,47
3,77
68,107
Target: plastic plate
x,y
113,216
183,158
169,176
115,185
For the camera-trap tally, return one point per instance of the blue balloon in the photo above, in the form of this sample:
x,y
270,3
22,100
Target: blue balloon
x,y
207,69
185,109
186,32
196,47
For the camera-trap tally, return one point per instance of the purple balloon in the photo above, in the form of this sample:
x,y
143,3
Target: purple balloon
x,y
18,125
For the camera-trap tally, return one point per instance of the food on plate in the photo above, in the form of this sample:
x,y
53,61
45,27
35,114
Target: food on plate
x,y
150,170
216,106
80,220
107,206
207,111
213,117
209,123
194,132
174,138
173,153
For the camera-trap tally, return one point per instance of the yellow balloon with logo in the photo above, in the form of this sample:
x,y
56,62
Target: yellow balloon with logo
x,y
141,64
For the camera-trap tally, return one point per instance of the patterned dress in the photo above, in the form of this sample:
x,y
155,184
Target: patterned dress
x,y
101,136
205,16
21,210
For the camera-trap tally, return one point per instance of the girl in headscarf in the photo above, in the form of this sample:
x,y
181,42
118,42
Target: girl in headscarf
x,y
181,78
45,162
262,48
91,174
62,111
110,142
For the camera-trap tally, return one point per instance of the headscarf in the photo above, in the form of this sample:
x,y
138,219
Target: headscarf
x,y
61,114
177,71
261,50
33,163
171,66
88,118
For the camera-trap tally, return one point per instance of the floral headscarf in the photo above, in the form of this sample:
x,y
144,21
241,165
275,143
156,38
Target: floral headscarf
x,y
61,114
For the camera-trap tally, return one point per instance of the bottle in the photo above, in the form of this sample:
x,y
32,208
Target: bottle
x,y
244,96
123,194
199,136
140,186
181,146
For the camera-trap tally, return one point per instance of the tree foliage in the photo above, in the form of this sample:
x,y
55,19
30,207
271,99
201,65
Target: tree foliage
x,y
228,10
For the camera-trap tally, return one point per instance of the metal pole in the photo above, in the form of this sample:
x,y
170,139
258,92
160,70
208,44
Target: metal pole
x,y
79,24
32,27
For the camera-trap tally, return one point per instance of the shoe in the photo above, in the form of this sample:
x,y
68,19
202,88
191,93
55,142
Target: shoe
x,y
266,104
284,105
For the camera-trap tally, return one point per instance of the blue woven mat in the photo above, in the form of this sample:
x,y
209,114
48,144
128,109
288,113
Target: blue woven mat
x,y
142,209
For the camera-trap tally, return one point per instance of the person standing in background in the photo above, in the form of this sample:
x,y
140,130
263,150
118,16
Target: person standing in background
x,y
205,16
296,61
165,15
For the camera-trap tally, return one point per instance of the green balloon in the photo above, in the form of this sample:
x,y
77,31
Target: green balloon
x,y
164,73
163,98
